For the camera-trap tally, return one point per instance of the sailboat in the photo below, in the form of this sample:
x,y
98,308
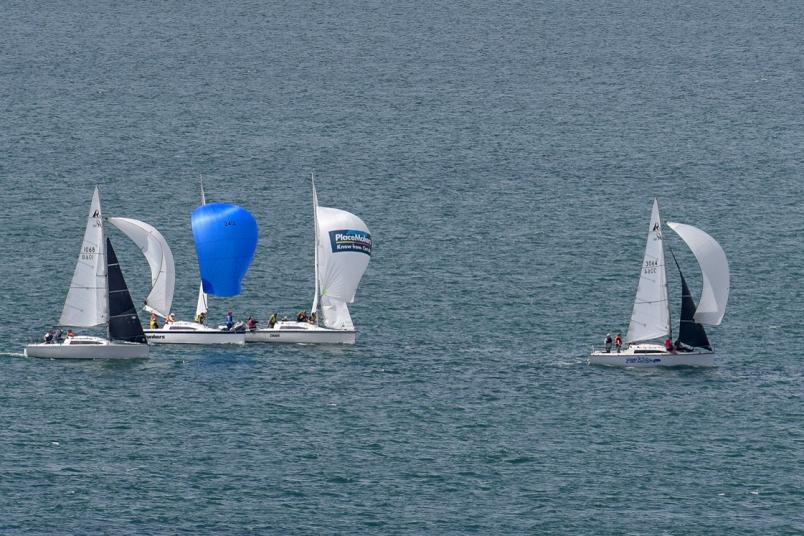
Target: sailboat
x,y
650,318
222,263
98,296
342,252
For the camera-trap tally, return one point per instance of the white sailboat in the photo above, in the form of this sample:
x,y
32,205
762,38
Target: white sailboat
x,y
342,252
163,278
650,318
98,296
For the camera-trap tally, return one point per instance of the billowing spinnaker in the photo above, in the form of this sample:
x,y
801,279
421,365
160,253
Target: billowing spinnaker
x,y
160,259
344,251
715,270
225,240
650,318
87,301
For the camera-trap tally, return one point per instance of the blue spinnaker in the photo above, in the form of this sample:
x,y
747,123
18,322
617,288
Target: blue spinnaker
x,y
225,239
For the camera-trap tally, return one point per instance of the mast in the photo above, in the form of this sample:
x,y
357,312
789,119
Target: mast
x,y
314,308
105,268
666,287
201,304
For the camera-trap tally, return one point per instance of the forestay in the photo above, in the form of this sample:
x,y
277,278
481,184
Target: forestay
x,y
650,318
86,304
715,270
160,259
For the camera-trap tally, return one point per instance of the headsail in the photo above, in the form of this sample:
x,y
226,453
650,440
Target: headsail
x,y
344,251
690,332
715,270
86,304
650,318
156,250
201,306
124,324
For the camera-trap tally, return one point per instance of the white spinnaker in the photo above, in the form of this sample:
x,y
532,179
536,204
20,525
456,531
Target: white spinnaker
x,y
335,314
339,271
87,302
156,250
715,270
650,318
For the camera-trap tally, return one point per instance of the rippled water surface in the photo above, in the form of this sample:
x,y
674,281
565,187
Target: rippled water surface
x,y
505,157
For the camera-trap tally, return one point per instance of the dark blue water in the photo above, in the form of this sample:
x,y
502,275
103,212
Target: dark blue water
x,y
505,157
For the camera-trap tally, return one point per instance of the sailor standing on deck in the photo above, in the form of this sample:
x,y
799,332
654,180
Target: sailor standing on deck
x,y
608,343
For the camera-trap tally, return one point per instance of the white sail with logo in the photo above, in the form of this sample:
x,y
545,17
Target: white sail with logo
x,y
715,270
87,301
160,259
343,251
650,318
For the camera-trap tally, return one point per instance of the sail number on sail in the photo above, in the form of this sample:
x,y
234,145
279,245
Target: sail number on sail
x,y
651,266
88,253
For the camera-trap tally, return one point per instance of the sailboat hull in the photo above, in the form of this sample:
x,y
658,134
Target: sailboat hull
x,y
301,333
87,348
652,355
183,332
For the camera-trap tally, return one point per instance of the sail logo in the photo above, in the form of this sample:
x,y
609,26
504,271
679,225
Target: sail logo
x,y
350,240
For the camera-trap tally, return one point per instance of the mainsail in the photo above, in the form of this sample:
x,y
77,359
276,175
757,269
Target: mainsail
x,y
650,318
124,324
715,271
160,259
86,304
343,250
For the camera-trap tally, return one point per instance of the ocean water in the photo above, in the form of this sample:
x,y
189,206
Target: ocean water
x,y
505,157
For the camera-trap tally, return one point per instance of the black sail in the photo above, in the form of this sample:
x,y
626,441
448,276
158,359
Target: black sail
x,y
690,333
124,324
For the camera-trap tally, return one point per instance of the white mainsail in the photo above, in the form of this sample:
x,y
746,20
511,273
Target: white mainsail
x,y
156,250
87,302
343,251
650,318
715,270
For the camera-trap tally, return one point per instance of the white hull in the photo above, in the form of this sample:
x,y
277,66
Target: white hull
x,y
87,348
652,355
301,333
192,333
